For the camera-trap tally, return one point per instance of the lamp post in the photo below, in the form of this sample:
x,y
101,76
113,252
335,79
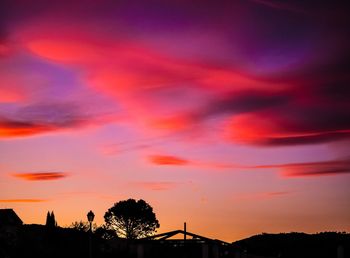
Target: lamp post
x,y
90,217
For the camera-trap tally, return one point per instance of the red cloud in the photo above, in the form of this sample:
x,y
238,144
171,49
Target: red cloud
x,y
175,123
21,200
3,49
45,118
272,129
10,129
64,51
305,169
41,176
156,186
311,169
168,160
134,66
143,80
9,96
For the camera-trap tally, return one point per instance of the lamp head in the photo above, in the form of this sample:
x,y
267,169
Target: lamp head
x,y
90,216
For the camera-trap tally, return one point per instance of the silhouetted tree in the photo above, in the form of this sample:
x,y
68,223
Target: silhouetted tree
x,y
82,226
131,219
105,233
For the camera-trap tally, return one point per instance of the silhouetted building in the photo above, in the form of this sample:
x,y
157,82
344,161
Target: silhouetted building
x,y
50,220
173,244
10,225
9,221
8,217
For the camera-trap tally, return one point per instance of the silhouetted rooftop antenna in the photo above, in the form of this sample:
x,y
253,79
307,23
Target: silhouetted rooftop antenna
x,y
185,231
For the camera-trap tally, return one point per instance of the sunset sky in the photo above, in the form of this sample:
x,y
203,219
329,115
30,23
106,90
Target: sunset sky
x,y
231,115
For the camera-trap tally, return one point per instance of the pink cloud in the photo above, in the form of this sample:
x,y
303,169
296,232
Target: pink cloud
x,y
9,96
260,196
115,149
4,49
12,88
21,200
156,186
277,193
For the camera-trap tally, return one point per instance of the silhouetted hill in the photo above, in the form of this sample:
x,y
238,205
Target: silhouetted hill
x,y
296,245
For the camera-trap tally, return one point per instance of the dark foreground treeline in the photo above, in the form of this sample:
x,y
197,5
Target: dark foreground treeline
x,y
297,245
40,241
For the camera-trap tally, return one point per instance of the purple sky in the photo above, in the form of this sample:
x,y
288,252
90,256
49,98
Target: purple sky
x,y
233,115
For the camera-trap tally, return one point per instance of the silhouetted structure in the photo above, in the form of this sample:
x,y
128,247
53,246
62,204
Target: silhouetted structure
x,y
9,219
50,220
10,228
190,245
9,223
170,245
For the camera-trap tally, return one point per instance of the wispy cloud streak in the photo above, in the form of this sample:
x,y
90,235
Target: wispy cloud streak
x,y
44,118
310,169
168,160
260,196
156,186
302,169
21,200
41,176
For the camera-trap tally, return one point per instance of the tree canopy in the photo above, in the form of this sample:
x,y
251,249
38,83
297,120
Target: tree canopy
x,y
131,219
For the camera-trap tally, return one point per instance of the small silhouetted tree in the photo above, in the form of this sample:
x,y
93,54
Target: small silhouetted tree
x,y
105,233
82,226
131,219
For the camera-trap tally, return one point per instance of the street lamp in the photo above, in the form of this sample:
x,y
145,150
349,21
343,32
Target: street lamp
x,y
90,217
